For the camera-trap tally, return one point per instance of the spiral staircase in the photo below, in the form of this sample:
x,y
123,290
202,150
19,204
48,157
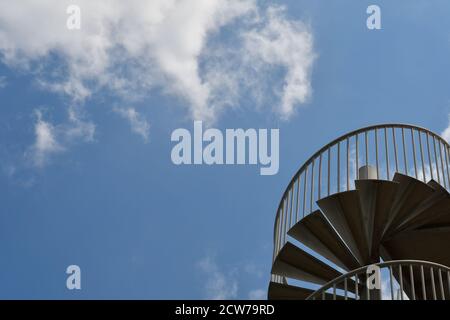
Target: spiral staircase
x,y
367,217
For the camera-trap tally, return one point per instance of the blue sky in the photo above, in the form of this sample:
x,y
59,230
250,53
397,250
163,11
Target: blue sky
x,y
85,171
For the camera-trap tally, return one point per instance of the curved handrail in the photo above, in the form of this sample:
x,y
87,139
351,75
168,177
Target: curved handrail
x,y
387,264
412,152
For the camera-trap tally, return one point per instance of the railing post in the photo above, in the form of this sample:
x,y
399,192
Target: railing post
x,y
414,152
421,156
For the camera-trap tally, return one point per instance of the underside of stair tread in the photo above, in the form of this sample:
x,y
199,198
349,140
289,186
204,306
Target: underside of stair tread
x,y
280,291
376,199
344,212
411,193
436,214
317,233
296,263
433,212
421,244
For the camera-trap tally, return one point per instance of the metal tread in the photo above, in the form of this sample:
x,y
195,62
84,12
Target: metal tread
x,y
344,213
293,262
420,244
411,193
316,232
376,200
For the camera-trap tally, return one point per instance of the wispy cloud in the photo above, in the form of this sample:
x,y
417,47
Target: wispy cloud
x,y
226,283
139,124
51,139
288,44
134,47
218,285
45,141
257,294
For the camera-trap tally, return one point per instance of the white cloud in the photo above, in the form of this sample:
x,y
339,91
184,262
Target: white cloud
x,y
51,139
77,128
218,286
138,124
257,294
45,143
288,44
134,47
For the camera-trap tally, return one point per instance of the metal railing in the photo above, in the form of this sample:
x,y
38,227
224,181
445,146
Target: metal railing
x,y
390,148
392,280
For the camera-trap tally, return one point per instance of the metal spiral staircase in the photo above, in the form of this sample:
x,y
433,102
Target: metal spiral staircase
x,y
375,200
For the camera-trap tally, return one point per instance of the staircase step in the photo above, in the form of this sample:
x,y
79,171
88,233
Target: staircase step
x,y
316,232
293,262
433,212
411,193
344,213
376,199
421,244
281,291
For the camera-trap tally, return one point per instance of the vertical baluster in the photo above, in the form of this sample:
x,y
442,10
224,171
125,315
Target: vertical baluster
x,y
386,149
367,288
356,287
348,164
311,195
436,160
277,235
357,157
421,156
367,148
298,193
411,280
395,149
442,164
448,282
391,281
288,197
320,177
376,153
285,220
414,151
441,284
291,197
280,244
280,229
274,252
429,157
422,278
433,285
329,174
401,281
345,288
338,166
304,191
404,151
275,246
446,164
